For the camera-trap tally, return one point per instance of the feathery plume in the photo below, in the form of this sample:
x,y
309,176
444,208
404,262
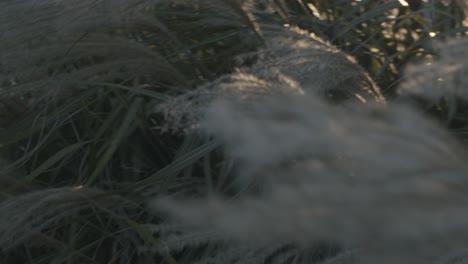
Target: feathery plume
x,y
447,74
382,179
294,62
57,45
23,218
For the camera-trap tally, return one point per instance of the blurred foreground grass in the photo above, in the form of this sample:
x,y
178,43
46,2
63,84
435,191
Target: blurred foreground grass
x,y
81,151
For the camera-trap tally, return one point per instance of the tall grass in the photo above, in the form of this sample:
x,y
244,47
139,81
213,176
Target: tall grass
x,y
384,180
263,131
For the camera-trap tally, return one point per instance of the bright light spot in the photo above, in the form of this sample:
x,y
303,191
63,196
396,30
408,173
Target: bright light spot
x,y
432,34
403,2
360,98
315,11
78,187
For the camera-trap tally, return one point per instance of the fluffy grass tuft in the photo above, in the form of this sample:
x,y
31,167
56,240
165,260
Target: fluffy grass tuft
x,y
377,178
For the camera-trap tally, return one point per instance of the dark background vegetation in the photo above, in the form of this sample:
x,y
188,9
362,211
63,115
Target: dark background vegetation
x,y
80,149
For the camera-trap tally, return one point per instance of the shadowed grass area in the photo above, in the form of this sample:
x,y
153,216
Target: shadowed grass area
x,y
106,105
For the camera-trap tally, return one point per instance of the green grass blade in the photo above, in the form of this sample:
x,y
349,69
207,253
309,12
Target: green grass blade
x,y
25,128
379,11
48,164
179,164
124,130
134,90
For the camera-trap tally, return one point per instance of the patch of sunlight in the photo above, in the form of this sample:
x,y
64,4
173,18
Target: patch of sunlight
x,y
403,2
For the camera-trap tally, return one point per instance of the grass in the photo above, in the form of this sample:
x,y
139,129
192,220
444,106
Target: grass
x,y
108,106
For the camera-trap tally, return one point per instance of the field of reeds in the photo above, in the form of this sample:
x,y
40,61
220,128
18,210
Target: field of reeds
x,y
233,131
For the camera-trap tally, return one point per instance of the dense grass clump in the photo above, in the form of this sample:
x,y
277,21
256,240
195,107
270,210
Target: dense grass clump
x,y
234,131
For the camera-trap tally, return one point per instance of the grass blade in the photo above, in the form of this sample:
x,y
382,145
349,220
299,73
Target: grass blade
x,y
124,130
